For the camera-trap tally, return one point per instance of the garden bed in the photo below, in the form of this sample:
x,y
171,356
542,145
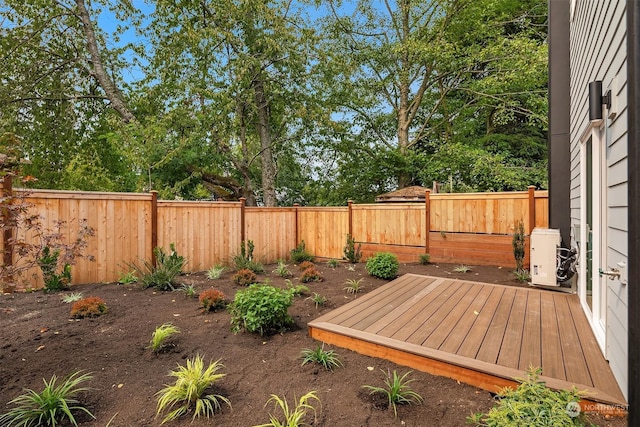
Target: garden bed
x,y
39,339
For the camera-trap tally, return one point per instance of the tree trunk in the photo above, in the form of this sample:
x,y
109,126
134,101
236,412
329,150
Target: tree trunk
x,y
266,153
97,68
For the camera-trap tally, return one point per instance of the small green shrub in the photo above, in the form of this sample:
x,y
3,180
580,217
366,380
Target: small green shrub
x,y
383,265
299,253
296,290
48,263
353,286
262,309
519,245
462,269
127,278
54,404
215,272
162,275
282,269
522,275
244,277
72,297
160,336
424,259
311,274
291,417
212,299
532,403
305,264
352,253
188,290
88,307
318,299
333,263
397,390
328,359
245,261
191,391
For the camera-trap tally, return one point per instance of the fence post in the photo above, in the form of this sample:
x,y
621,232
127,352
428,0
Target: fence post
x,y
7,234
532,208
243,202
350,212
427,219
154,225
295,209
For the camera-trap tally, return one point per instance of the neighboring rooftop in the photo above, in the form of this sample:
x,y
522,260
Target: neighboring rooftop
x,y
407,194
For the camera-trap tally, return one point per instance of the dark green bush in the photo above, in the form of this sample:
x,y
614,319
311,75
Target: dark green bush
x,y
300,254
245,261
352,252
48,263
383,265
262,309
162,275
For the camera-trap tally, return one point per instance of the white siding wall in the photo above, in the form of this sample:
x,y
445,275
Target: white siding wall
x,y
598,52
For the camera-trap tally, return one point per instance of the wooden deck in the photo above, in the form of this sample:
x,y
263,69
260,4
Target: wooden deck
x,y
482,334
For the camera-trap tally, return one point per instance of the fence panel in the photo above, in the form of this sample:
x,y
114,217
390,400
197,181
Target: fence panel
x,y
205,233
324,230
273,232
122,229
390,224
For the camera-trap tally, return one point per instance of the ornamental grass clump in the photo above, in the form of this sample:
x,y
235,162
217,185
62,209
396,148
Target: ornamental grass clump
x,y
328,359
212,299
262,309
383,265
53,405
397,390
291,417
161,275
88,307
192,391
160,336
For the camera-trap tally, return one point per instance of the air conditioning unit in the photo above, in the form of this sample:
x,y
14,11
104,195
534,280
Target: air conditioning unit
x,y
543,259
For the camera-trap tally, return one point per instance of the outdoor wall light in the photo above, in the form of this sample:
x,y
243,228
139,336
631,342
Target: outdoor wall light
x,y
596,100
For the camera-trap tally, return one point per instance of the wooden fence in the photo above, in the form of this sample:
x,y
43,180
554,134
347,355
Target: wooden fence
x,y
471,228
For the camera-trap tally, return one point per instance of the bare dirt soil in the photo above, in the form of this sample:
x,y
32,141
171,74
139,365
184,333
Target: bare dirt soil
x,y
40,340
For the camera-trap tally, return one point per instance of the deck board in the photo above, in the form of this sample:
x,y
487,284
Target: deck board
x,y
483,334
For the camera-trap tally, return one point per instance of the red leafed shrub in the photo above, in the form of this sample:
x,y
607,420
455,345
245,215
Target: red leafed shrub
x,y
305,265
245,277
88,307
311,274
212,299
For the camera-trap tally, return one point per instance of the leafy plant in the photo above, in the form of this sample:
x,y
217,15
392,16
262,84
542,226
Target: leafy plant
x,y
424,259
291,417
328,359
54,281
262,309
318,299
299,253
54,404
245,261
88,307
352,253
351,267
162,275
191,391
519,245
282,269
297,289
305,264
522,275
532,403
245,277
462,269
212,299
383,265
333,263
215,272
127,278
188,290
72,297
397,390
311,274
353,286
160,336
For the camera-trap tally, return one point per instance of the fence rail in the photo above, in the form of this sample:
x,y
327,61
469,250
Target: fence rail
x,y
461,228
